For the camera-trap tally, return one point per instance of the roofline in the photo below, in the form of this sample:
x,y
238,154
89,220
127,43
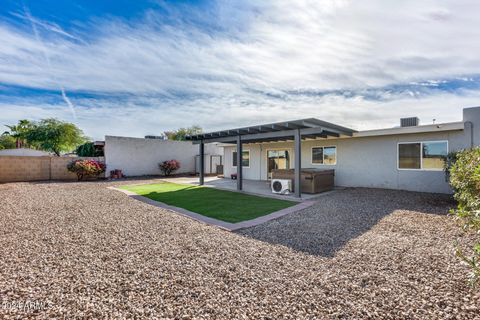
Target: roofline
x,y
441,127
312,128
450,126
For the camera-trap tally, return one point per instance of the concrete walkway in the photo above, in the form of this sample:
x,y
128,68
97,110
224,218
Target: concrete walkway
x,y
219,223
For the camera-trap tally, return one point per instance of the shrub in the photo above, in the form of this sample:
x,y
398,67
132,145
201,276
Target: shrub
x,y
465,181
85,168
88,150
170,166
7,142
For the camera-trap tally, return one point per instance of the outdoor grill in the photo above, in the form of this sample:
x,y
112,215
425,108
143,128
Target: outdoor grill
x,y
311,181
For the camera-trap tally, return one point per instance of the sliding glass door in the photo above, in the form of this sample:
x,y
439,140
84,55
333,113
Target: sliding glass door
x,y
277,159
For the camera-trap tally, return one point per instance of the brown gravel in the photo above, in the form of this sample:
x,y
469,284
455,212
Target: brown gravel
x,y
91,252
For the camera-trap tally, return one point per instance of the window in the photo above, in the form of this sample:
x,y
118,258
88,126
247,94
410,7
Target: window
x,y
324,155
422,155
434,155
245,158
278,159
330,155
409,156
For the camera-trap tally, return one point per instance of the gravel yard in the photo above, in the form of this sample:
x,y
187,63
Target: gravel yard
x,y
88,251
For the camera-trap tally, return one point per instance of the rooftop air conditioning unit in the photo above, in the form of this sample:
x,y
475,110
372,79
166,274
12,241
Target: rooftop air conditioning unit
x,y
409,122
281,186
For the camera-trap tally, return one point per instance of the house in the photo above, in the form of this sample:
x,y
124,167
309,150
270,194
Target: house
x,y
409,157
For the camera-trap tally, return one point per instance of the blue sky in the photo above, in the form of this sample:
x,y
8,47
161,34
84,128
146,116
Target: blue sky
x,y
141,67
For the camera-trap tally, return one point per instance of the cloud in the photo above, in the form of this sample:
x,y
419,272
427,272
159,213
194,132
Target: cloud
x,y
139,116
249,62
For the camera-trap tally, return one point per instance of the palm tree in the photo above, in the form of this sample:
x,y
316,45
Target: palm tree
x,y
20,131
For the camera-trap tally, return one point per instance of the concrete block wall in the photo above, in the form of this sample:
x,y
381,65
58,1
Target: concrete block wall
x,y
26,168
18,168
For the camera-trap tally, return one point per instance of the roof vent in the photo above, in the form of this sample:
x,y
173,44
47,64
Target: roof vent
x,y
409,122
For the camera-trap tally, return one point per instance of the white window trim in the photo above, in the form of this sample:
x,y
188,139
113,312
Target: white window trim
x,y
421,155
249,158
323,154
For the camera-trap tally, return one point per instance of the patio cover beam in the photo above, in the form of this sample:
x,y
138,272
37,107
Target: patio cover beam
x,y
269,135
311,128
298,163
239,163
308,127
201,170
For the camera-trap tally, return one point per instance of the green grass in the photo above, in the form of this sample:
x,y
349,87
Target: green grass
x,y
218,204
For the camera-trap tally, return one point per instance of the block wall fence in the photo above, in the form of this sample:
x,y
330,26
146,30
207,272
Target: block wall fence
x,y
21,168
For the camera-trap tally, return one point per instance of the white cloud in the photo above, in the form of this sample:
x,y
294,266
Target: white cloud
x,y
132,118
182,73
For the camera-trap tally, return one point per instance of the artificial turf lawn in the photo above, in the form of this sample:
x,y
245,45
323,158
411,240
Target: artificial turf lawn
x,y
218,204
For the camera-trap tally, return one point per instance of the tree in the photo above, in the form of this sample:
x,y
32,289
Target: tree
x,y
7,141
180,134
19,132
88,150
55,135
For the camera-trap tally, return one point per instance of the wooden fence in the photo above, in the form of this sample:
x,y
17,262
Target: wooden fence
x,y
16,168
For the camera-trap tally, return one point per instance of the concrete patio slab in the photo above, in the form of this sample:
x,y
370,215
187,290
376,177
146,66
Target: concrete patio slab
x,y
214,222
254,187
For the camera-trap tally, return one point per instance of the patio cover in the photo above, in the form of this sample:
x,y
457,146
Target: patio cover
x,y
296,130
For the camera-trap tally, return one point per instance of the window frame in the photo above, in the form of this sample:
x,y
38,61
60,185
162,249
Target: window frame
x,y
249,159
421,154
323,156
290,159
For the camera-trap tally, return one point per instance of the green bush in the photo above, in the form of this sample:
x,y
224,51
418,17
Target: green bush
x,y
7,142
88,150
464,175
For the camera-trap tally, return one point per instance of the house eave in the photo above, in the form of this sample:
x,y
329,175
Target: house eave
x,y
441,127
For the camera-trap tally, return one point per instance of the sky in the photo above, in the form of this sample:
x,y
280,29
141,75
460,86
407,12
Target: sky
x,y
132,68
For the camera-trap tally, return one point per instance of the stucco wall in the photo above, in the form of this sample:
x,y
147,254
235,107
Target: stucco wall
x,y
472,117
361,162
138,156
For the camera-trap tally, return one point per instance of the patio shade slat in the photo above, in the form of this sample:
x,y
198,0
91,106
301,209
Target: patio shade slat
x,y
310,128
